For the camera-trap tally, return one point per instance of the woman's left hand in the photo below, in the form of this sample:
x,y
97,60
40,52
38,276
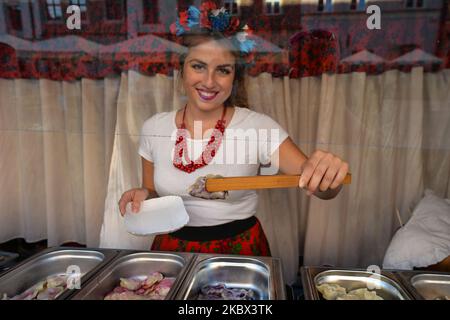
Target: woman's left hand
x,y
322,171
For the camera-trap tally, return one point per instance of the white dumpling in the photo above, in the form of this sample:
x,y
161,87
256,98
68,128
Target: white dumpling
x,y
130,284
31,293
56,281
365,294
50,293
330,291
128,295
152,279
349,296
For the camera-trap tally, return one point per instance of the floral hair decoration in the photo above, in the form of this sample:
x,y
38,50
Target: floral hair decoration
x,y
216,21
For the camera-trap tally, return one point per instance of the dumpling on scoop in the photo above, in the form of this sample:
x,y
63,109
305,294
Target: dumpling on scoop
x,y
198,189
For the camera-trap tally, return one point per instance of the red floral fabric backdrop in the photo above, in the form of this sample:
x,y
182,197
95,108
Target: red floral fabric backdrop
x,y
298,41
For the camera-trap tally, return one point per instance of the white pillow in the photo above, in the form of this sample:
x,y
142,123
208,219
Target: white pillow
x,y
425,239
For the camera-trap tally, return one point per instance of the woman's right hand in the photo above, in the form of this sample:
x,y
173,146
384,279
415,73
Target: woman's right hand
x,y
135,196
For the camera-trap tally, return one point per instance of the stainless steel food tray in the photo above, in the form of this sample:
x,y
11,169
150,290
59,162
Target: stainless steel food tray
x,y
7,257
385,284
6,260
54,261
135,264
261,274
425,285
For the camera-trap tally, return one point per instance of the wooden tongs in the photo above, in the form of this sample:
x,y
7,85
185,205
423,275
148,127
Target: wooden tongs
x,y
256,182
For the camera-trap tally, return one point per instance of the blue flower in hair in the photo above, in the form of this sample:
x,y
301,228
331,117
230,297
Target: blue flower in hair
x,y
193,17
179,28
220,20
213,19
246,46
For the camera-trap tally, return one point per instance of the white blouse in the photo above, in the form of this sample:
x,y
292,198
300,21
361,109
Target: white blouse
x,y
250,139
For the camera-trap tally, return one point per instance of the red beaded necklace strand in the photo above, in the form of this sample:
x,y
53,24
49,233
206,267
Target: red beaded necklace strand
x,y
207,154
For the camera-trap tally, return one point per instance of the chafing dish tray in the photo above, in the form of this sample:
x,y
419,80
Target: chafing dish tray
x,y
425,285
77,264
6,258
137,265
261,275
6,261
386,285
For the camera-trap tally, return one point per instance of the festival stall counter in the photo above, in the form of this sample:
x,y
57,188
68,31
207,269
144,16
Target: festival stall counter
x,y
325,283
64,273
107,274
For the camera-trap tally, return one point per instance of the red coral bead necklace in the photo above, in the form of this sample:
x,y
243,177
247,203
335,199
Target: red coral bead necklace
x,y
207,154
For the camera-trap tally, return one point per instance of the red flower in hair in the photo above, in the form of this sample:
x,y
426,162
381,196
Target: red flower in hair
x,y
204,20
208,6
233,27
205,8
184,19
214,19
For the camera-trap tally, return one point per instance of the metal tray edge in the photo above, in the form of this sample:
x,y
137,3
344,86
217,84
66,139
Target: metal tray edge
x,y
405,277
108,253
189,257
200,257
311,293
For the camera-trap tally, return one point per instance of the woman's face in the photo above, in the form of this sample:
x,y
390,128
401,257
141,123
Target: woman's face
x,y
208,75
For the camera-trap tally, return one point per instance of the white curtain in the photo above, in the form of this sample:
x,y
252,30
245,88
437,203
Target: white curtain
x,y
63,154
140,97
393,129
55,147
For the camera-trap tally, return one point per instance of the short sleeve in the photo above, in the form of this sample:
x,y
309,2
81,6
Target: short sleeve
x,y
146,139
271,136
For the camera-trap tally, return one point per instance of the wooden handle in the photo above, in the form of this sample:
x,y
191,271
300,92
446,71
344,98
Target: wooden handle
x,y
257,182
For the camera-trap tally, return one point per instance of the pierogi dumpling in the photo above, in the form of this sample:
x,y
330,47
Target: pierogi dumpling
x,y
330,291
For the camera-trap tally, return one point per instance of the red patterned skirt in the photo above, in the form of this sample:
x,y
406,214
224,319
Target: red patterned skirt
x,y
248,240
